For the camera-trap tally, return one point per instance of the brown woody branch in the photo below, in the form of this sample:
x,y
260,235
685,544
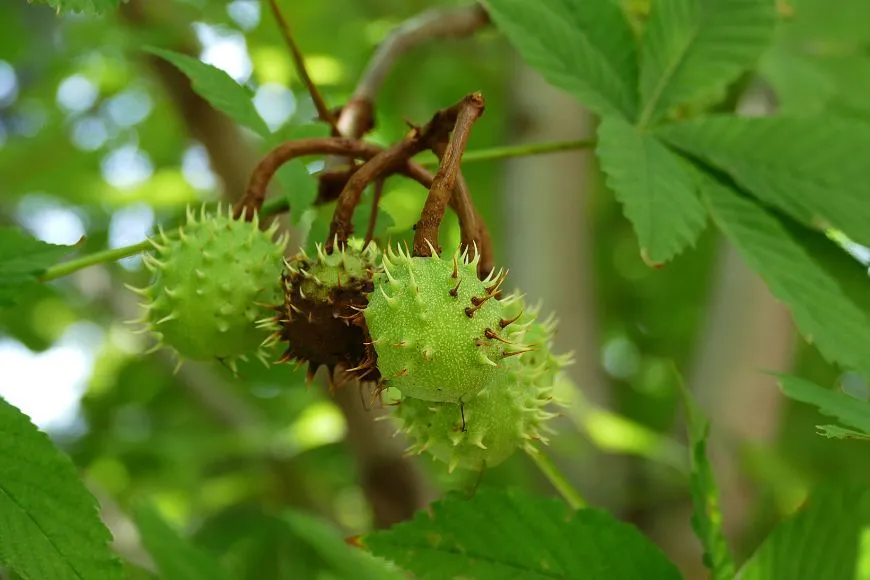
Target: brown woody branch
x,y
386,162
356,118
255,193
442,190
472,227
319,103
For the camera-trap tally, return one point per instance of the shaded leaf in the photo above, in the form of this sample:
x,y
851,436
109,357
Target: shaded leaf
x,y
497,535
826,538
176,557
692,49
93,7
346,562
707,515
821,309
218,88
49,522
851,411
837,432
655,188
813,168
585,48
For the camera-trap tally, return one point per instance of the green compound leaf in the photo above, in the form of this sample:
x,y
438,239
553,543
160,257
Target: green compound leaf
x,y
218,88
497,535
585,48
827,538
707,515
176,558
813,168
693,49
852,412
22,259
655,188
92,7
49,522
822,310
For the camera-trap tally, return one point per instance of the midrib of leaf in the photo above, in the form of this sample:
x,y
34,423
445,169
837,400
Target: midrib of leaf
x,y
670,71
39,527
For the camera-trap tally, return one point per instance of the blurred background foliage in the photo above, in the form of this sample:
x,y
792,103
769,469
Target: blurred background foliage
x,y
95,142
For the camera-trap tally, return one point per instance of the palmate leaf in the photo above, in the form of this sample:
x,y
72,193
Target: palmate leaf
x,y
497,535
218,88
49,522
826,538
707,515
822,310
692,49
22,259
93,7
176,557
813,168
852,412
656,190
585,48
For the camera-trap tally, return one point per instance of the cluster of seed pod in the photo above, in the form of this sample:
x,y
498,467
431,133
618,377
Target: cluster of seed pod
x,y
473,367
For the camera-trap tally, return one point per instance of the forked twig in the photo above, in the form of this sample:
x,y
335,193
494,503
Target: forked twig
x,y
426,235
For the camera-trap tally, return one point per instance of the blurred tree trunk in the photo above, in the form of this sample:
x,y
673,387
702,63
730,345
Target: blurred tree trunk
x,y
547,216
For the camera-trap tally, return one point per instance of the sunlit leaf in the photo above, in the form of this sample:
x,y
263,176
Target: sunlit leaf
x,y
657,192
692,49
813,168
49,522
822,310
853,412
585,48
497,535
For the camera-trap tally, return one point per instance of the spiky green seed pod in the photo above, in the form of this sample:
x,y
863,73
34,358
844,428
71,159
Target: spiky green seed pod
x,y
320,318
210,280
508,414
438,331
541,364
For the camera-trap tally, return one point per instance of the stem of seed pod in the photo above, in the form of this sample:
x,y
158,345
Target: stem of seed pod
x,y
470,110
385,162
558,479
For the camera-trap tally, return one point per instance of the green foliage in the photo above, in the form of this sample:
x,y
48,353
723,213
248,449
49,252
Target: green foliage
x,y
498,535
345,562
707,517
80,6
692,50
218,88
176,558
821,309
49,523
584,48
826,538
22,259
812,168
655,188
851,411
